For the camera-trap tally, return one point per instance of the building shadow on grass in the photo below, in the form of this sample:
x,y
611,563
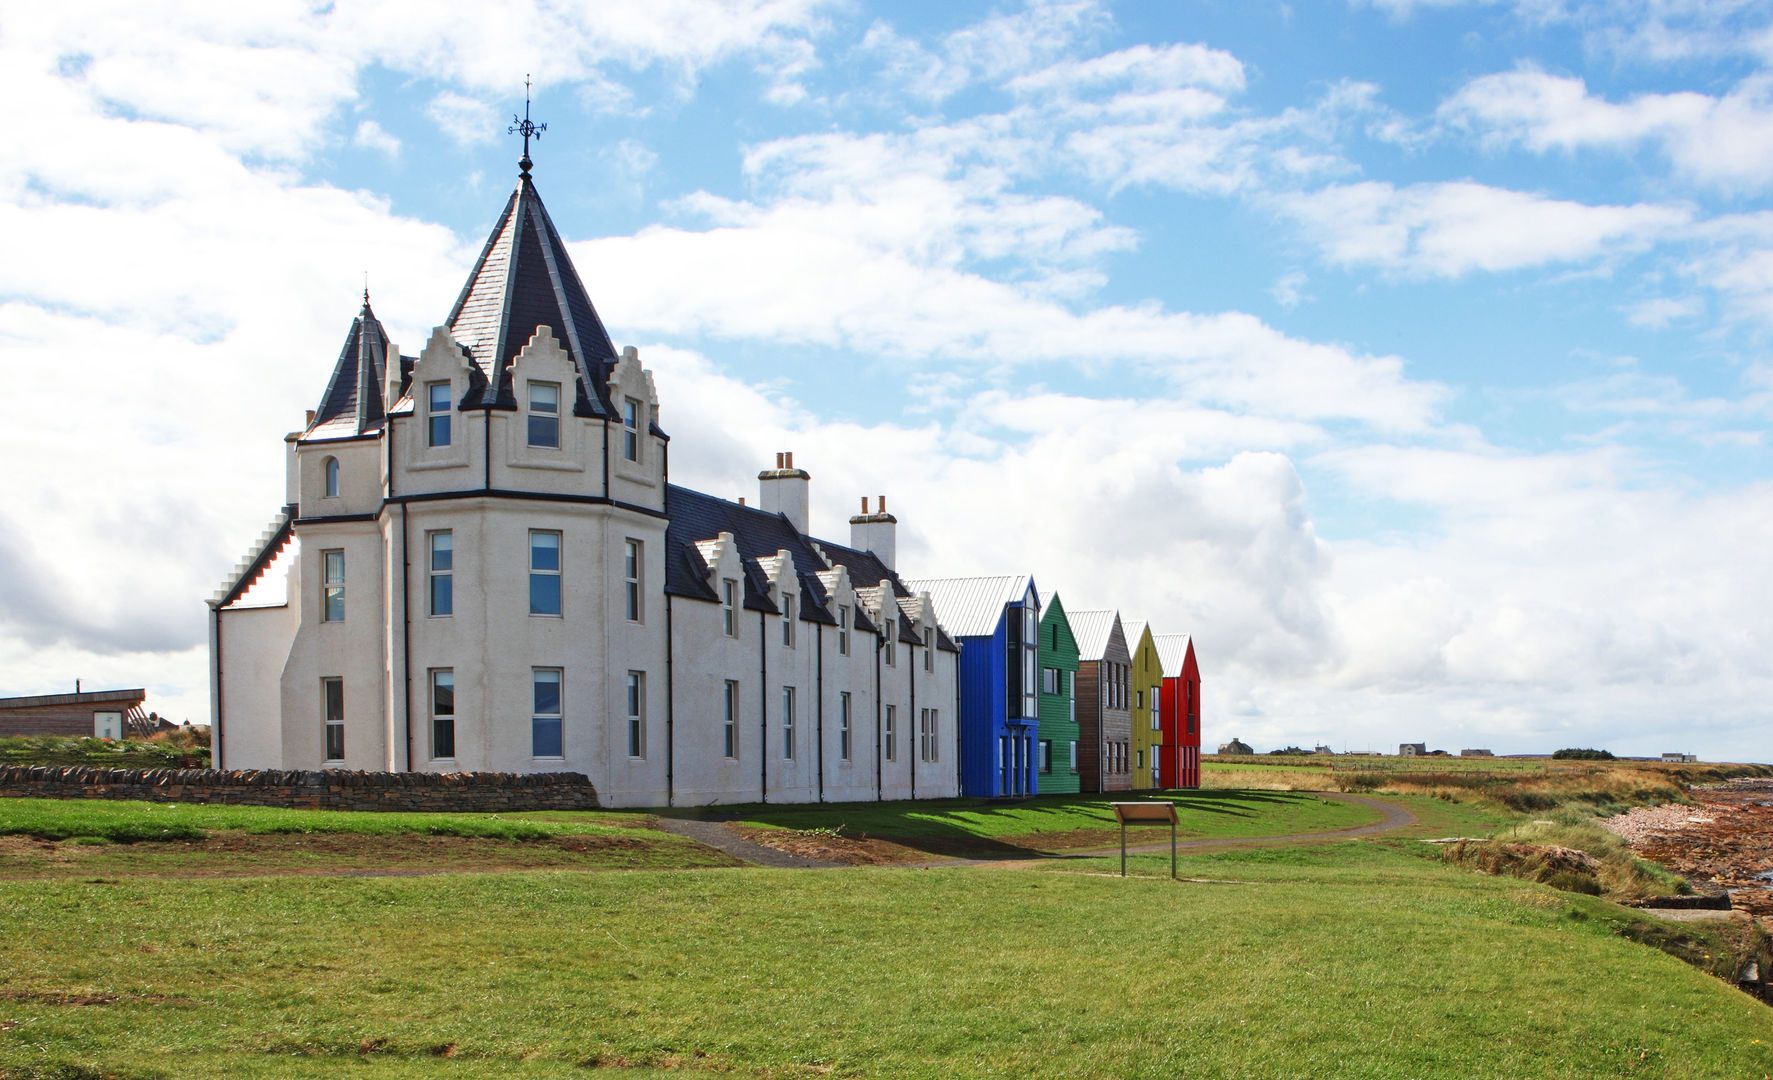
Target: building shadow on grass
x,y
1038,827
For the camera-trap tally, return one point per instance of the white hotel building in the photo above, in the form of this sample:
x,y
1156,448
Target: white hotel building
x,y
481,564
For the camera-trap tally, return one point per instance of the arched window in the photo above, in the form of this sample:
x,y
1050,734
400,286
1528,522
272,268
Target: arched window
x,y
332,477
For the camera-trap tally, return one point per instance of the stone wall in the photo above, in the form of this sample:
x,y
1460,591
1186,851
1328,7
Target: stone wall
x,y
318,790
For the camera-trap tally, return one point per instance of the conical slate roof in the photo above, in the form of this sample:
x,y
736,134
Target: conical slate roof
x,y
523,280
352,404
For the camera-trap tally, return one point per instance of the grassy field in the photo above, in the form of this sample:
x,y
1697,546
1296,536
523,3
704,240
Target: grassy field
x,y
1356,959
1055,822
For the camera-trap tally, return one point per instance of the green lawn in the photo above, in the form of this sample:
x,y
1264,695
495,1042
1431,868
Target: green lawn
x,y
1059,821
1354,959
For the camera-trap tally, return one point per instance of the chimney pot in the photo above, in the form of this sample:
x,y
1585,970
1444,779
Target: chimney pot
x,y
310,418
741,500
788,460
883,504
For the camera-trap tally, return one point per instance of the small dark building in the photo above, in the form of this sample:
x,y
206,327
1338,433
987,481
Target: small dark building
x,y
109,714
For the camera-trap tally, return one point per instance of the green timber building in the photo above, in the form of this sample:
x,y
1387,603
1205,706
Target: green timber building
x,y
1059,755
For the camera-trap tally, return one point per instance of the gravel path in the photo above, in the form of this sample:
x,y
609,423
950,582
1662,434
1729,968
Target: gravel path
x,y
721,838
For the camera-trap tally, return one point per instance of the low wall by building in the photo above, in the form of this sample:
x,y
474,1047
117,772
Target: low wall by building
x,y
317,790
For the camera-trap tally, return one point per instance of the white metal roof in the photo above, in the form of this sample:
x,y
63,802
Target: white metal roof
x,y
971,606
1092,629
1133,630
1172,652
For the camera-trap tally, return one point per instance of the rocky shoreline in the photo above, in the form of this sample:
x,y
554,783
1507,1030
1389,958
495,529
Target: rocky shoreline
x,y
1723,842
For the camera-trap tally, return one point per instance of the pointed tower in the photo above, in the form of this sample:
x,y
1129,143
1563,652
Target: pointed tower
x,y
352,404
523,280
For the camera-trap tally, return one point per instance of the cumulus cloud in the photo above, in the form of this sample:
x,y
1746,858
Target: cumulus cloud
x,y
1449,229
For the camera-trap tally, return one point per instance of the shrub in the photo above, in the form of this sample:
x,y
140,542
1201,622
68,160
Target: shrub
x,y
1583,755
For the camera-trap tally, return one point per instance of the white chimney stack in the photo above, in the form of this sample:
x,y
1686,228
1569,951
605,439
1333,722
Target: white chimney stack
x,y
786,490
876,532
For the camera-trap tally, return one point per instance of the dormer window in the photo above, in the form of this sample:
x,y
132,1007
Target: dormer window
x,y
437,414
729,608
892,639
630,429
843,629
331,470
544,414
788,620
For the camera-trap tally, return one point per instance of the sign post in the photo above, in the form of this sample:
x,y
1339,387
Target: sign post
x,y
1145,813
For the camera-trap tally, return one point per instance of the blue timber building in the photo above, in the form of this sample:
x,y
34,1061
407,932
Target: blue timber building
x,y
996,622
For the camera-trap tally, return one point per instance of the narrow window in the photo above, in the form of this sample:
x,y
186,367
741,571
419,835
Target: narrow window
x,y
544,573
843,630
1138,699
443,561
892,733
1074,757
631,582
544,723
331,469
636,714
729,607
923,734
544,414
631,429
1156,708
1030,682
788,722
788,620
1049,680
892,640
332,586
935,732
332,705
437,414
443,713
843,726
929,649
1046,757
731,726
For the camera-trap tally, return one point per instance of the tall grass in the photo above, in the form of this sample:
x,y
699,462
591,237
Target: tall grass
x,y
183,748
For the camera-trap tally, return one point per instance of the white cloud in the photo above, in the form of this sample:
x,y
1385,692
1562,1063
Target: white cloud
x,y
1657,312
370,136
1000,47
467,120
1450,229
1140,68
1724,141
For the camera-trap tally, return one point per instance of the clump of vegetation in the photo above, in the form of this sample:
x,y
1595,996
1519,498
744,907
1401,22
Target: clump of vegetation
x,y
179,748
1572,754
1570,853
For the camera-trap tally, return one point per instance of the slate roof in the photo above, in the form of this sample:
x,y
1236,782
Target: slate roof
x,y
972,606
694,518
1172,652
523,280
352,404
1092,629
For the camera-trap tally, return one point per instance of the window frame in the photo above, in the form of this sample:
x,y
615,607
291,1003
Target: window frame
x,y
541,719
730,725
1044,757
788,723
542,412
332,588
329,478
843,726
890,641
538,575
843,629
890,749
633,571
635,714
729,607
632,415
788,620
443,722
436,418
332,719
436,576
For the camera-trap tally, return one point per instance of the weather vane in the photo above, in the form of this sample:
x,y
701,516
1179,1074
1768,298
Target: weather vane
x,y
525,128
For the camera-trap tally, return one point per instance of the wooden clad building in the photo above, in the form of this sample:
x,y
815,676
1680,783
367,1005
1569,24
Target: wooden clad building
x,y
105,714
1147,693
1179,753
1104,718
1059,756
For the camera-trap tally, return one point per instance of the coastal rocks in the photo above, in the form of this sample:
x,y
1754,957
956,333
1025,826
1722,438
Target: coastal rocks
x,y
1726,841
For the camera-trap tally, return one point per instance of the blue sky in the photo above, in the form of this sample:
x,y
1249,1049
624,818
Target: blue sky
x,y
1410,353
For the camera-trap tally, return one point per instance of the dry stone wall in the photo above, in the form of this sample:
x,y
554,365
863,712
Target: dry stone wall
x,y
318,790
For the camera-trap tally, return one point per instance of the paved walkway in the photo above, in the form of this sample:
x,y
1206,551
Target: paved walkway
x,y
721,837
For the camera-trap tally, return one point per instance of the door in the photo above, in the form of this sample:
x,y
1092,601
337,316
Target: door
x,y
107,725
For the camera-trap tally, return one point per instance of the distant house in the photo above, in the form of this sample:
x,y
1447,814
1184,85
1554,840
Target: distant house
x,y
104,714
1412,749
1680,757
1104,712
1321,750
1235,746
1058,757
1179,752
996,621
1476,753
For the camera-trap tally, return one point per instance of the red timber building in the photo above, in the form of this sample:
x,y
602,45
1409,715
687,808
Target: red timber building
x,y
1178,757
